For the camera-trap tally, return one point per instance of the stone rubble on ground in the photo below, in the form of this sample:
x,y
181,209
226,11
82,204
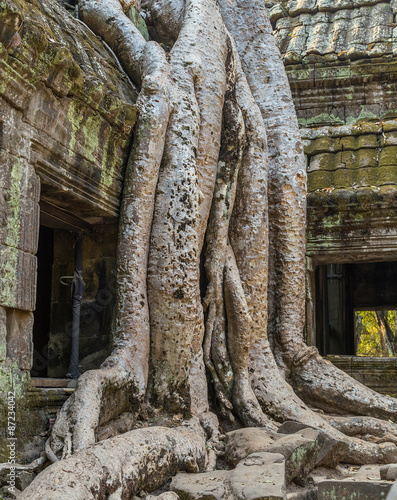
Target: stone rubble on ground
x,y
283,466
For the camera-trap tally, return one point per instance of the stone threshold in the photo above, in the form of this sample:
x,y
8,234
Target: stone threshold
x,y
53,383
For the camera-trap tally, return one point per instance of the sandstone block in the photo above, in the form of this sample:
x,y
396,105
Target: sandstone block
x,y
389,472
387,175
352,490
330,451
349,143
346,159
19,227
303,494
388,156
207,486
390,126
319,180
19,338
367,141
300,451
366,176
367,157
244,442
343,178
17,279
322,161
260,476
321,145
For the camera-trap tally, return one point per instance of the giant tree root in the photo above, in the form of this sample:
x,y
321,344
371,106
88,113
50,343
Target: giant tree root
x,y
200,117
123,466
100,396
318,381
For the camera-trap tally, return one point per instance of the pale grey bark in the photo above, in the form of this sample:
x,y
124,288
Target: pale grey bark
x,y
123,466
216,155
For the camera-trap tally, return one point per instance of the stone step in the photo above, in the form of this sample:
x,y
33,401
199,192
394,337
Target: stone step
x,y
52,382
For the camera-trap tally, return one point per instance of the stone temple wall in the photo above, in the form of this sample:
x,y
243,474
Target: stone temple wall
x,y
341,61
66,117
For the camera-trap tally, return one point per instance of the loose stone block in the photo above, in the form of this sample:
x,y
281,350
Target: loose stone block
x,y
260,476
244,442
352,490
389,472
208,486
304,494
330,449
300,451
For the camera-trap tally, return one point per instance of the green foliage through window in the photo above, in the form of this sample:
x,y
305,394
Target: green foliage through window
x,y
375,333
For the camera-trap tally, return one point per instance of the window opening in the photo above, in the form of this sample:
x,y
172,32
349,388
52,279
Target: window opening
x,y
375,333
356,309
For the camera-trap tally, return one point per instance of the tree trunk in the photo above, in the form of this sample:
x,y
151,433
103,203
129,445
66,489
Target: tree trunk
x,y
217,176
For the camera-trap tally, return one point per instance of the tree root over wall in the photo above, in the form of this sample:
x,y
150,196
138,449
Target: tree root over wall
x,y
216,173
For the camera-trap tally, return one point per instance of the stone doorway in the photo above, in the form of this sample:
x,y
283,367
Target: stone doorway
x,y
344,291
42,313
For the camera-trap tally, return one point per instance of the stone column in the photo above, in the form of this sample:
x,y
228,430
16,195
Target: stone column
x,y
19,228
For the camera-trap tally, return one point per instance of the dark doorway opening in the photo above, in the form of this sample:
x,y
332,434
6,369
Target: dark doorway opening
x,y
346,297
42,313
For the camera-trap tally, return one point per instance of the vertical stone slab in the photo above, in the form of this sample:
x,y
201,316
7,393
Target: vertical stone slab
x,y
19,203
19,227
3,334
17,279
19,338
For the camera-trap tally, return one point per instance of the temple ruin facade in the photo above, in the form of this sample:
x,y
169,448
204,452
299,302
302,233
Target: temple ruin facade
x,y
66,121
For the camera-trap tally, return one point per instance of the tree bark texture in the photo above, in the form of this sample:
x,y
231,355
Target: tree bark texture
x,y
211,252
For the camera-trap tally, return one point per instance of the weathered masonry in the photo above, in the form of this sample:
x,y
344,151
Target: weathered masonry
x,y
341,60
66,117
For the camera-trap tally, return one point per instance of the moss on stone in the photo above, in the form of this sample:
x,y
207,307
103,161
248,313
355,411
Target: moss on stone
x,y
388,156
387,175
348,143
319,179
346,159
365,127
366,177
323,161
367,158
320,145
367,141
390,126
343,178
